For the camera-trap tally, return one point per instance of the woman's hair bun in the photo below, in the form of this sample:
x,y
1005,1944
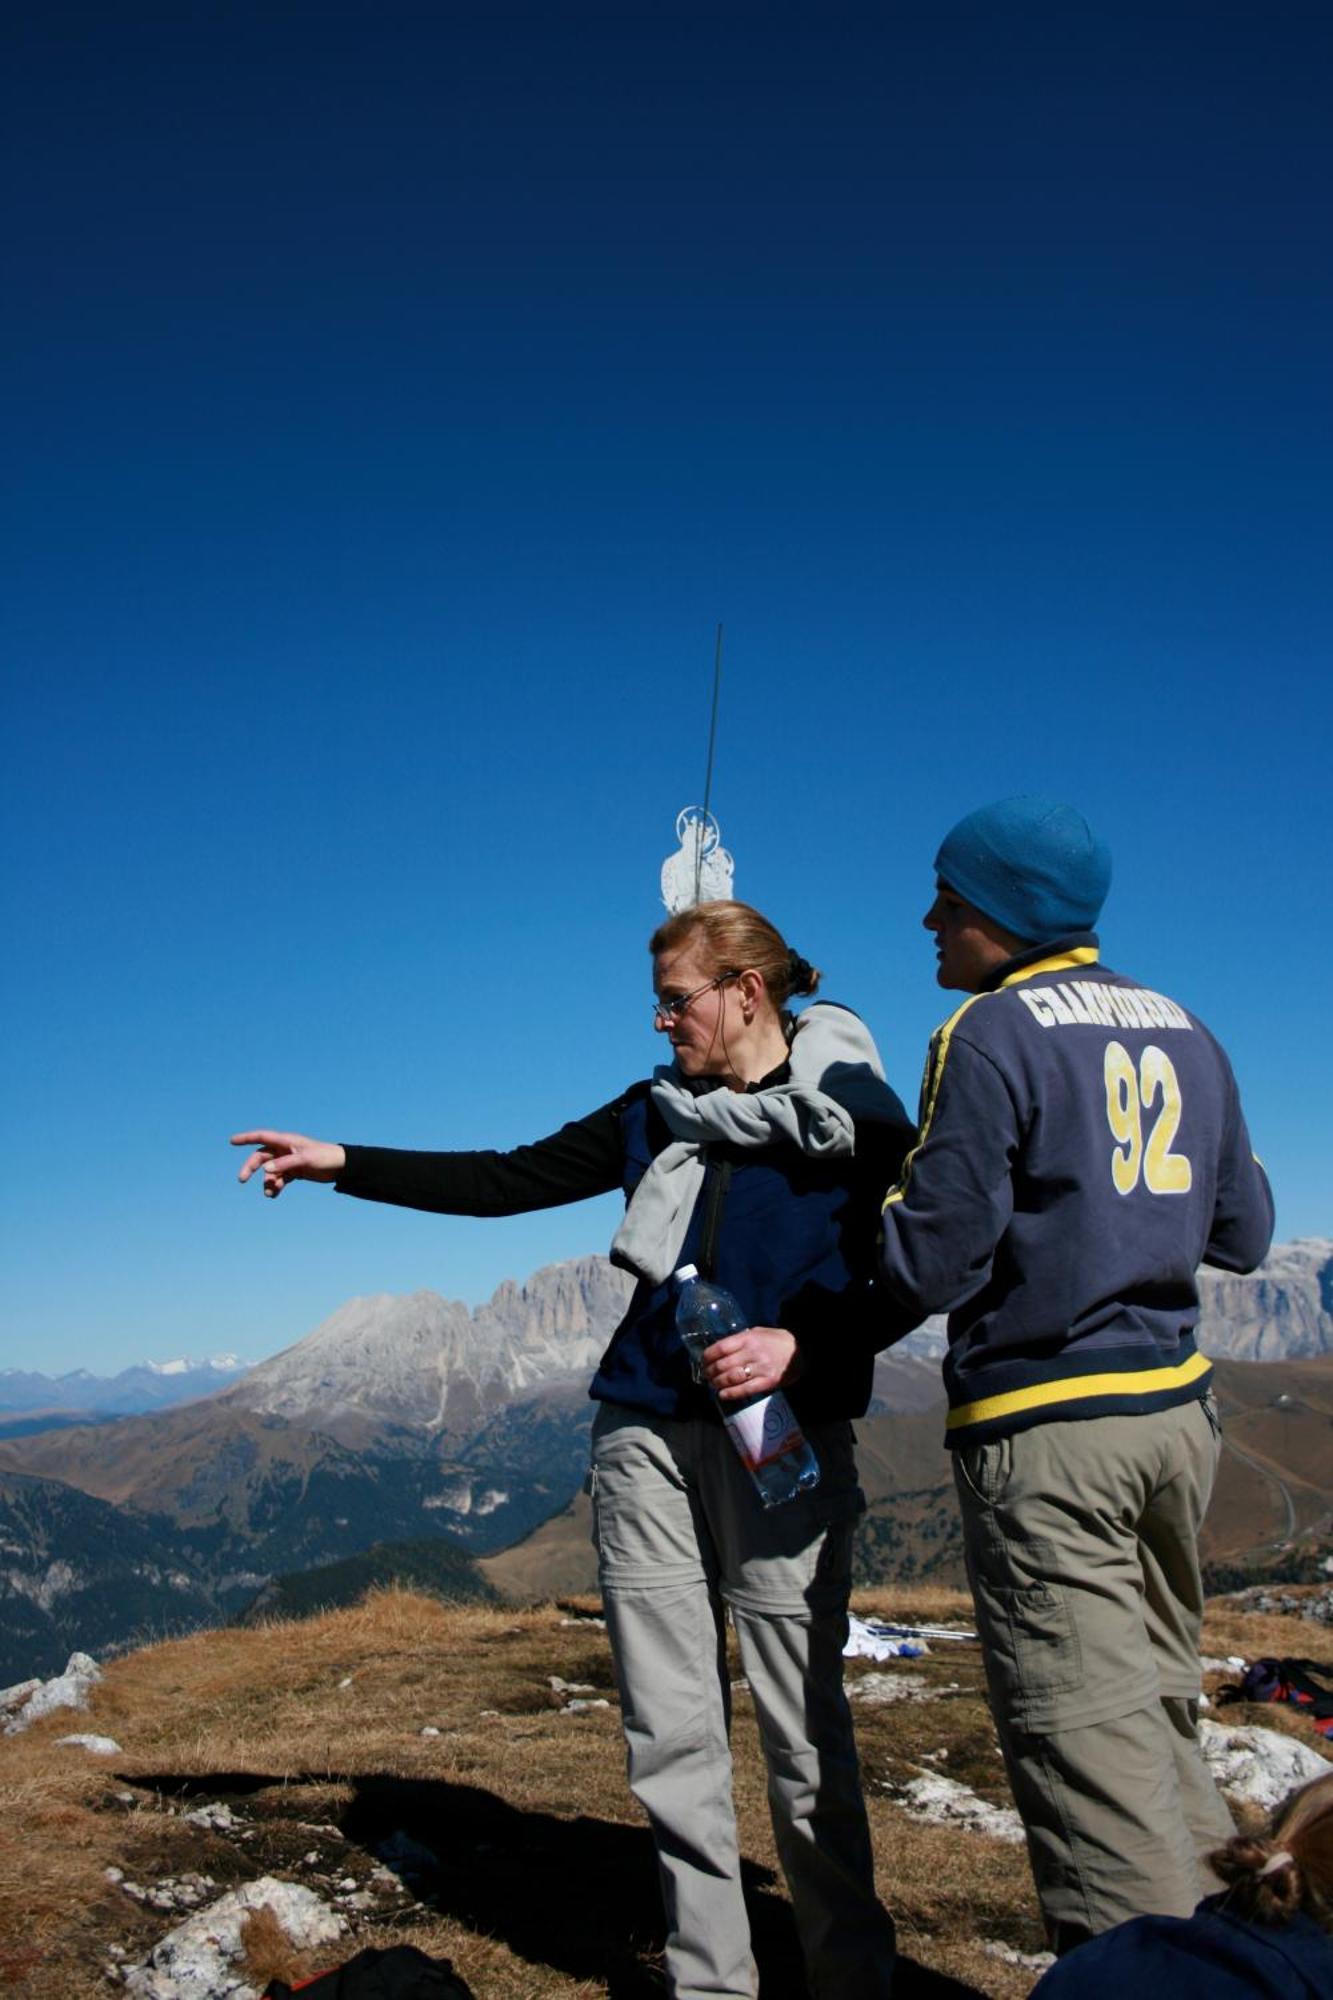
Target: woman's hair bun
x,y
804,978
1264,1880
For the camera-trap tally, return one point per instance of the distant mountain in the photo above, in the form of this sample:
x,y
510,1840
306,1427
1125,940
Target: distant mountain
x,y
1282,1312
409,1418
78,1573
48,1420
152,1385
397,1419
428,1364
255,1495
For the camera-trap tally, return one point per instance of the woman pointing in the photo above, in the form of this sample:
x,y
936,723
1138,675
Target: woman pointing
x,y
760,1153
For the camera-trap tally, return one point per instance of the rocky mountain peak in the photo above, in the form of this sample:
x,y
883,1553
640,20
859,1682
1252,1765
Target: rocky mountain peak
x,y
1281,1312
429,1363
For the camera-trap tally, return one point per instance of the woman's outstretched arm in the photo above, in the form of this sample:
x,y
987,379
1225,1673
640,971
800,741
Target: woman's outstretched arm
x,y
583,1158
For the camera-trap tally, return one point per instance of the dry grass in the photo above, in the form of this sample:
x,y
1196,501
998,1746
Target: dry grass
x,y
266,1950
543,1881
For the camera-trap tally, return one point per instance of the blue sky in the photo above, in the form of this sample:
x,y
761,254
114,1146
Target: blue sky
x,y
396,399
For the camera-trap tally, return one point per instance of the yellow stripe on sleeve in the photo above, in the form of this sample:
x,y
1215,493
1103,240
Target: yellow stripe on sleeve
x,y
930,1090
1066,961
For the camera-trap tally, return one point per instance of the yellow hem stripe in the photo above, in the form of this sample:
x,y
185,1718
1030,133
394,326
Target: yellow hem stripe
x,y
1079,1388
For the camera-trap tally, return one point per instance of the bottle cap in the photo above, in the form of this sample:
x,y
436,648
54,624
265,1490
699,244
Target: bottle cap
x,y
684,1274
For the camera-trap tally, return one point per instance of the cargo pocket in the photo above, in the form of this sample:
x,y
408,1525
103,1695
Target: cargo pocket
x,y
1032,1643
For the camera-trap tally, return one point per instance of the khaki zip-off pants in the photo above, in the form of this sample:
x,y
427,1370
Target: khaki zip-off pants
x,y
680,1534
1082,1551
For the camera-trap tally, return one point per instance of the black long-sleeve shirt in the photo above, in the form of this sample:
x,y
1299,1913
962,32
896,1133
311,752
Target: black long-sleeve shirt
x,y
584,1158
797,1242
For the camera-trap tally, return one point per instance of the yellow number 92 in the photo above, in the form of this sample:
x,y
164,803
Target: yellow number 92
x,y
1129,1093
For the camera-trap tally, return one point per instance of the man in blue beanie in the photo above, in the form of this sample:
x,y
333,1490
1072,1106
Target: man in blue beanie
x,y
1081,1151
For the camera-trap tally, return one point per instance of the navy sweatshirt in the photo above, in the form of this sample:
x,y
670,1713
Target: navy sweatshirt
x,y
1082,1150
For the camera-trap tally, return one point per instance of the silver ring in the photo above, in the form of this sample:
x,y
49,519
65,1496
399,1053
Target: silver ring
x,y
747,1371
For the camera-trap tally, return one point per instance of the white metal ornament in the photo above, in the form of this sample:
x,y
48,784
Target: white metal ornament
x,y
701,870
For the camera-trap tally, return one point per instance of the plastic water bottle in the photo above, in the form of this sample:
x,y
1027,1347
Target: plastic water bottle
x,y
772,1446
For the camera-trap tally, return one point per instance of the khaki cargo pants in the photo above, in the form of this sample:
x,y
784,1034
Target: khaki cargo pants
x,y
680,1534
1082,1551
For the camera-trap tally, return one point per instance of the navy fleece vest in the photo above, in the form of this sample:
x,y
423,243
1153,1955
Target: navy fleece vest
x,y
796,1247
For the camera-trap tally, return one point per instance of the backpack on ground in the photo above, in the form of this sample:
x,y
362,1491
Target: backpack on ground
x,y
1304,1684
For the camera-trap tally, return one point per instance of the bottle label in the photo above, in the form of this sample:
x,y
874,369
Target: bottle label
x,y
764,1430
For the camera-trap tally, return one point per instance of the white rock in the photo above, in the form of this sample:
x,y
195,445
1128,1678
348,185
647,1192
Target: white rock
x,y
430,1730
197,1960
180,1892
1258,1764
67,1690
213,1819
875,1688
100,1746
14,1697
1030,1961
940,1801
1233,1664
573,1707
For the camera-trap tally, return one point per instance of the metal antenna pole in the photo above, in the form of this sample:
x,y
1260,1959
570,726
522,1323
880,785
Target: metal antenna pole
x,y
708,777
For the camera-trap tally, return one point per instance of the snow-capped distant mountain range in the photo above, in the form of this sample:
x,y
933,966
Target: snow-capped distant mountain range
x,y
150,1385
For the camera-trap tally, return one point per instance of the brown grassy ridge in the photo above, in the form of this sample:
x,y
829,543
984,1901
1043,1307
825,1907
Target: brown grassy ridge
x,y
544,1883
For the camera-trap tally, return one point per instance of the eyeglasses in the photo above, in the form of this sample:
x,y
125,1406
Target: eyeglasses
x,y
674,1010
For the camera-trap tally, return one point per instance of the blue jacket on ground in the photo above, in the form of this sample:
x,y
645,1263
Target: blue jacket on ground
x,y
1212,1955
1082,1150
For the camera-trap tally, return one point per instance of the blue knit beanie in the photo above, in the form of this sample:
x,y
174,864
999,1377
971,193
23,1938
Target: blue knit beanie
x,y
1033,865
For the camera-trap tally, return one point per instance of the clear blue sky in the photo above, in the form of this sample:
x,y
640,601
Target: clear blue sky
x,y
397,397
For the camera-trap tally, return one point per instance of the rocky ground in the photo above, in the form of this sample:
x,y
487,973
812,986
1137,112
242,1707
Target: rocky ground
x,y
239,1805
